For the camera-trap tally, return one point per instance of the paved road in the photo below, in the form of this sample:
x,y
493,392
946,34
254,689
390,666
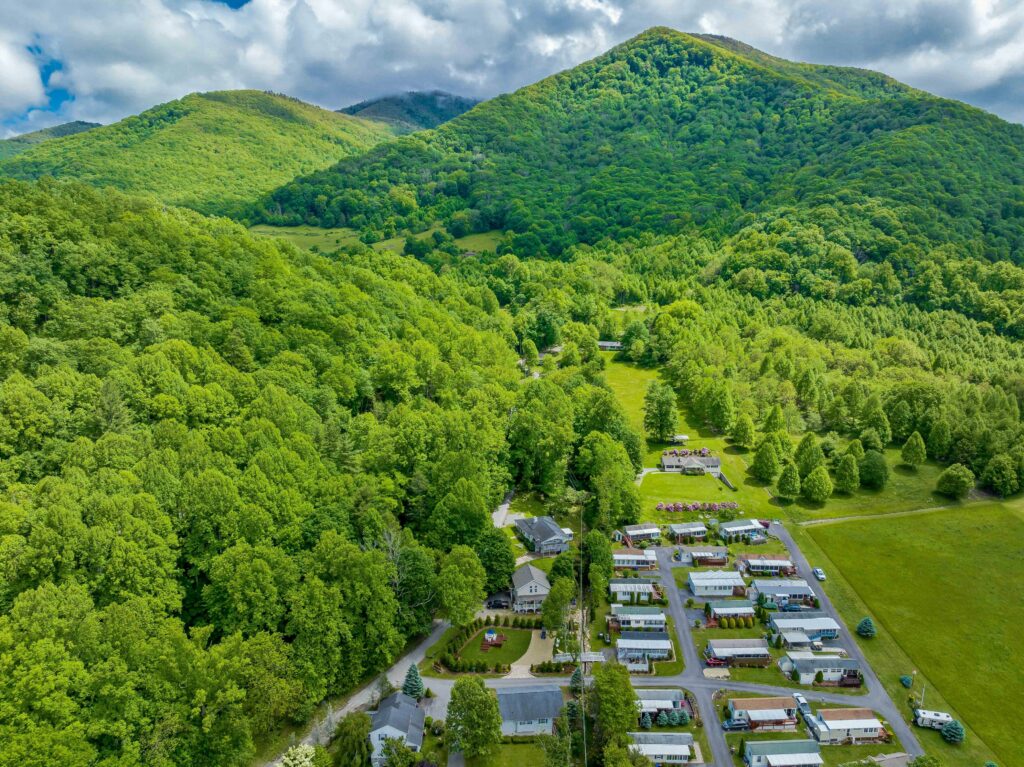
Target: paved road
x,y
692,677
499,515
877,698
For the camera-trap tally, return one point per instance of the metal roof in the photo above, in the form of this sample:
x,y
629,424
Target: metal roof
x,y
808,665
535,701
649,640
775,747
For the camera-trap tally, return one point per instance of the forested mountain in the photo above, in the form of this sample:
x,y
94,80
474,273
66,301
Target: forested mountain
x,y
826,181
215,152
18,144
413,110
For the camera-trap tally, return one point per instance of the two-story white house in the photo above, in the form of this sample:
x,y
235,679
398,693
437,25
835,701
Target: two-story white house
x,y
529,710
530,587
398,717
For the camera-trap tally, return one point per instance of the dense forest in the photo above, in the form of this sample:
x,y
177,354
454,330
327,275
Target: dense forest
x,y
238,476
214,152
18,144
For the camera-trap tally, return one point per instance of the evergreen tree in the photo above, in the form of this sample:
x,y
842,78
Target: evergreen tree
x,y
413,684
940,437
956,481
576,681
856,449
789,482
874,471
847,474
953,732
913,452
809,455
766,461
645,721
866,628
662,720
743,434
901,420
817,487
774,421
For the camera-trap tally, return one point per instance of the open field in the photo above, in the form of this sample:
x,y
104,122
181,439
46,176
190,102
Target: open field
x,y
481,241
946,590
511,755
325,240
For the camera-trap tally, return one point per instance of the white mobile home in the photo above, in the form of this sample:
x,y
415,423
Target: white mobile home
x,y
715,583
837,726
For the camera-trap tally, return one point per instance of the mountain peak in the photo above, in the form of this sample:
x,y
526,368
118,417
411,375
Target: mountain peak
x,y
412,110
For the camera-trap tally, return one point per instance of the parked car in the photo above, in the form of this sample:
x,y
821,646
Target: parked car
x,y
819,573
735,724
498,604
791,607
715,662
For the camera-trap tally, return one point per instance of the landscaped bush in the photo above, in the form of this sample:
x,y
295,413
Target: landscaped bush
x,y
953,732
907,681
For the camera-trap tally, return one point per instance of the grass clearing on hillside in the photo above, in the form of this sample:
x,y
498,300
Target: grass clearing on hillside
x,y
511,755
947,592
481,241
324,240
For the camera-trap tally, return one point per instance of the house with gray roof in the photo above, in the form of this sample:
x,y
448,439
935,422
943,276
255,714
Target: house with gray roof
x,y
816,625
782,753
749,529
530,587
783,590
664,747
835,670
544,535
681,530
529,710
397,717
672,460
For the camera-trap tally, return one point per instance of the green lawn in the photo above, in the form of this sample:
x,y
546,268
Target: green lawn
x,y
946,590
833,756
325,240
511,755
517,641
676,665
543,564
599,625
481,241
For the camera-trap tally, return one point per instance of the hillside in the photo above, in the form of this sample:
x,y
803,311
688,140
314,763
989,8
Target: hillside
x,y
413,110
18,144
215,152
675,133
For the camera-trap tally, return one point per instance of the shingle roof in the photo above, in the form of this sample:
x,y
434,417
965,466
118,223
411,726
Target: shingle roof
x,y
846,714
765,747
762,704
539,529
400,711
528,573
536,701
662,738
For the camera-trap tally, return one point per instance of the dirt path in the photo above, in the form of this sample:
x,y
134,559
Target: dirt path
x,y
889,515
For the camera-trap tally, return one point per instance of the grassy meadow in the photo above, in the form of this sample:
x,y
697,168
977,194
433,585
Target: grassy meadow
x,y
946,590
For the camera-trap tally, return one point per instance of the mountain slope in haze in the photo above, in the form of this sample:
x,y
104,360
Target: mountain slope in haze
x,y
18,144
672,133
413,110
215,152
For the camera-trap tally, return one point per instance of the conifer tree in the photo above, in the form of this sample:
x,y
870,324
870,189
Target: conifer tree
x,y
789,482
913,452
413,684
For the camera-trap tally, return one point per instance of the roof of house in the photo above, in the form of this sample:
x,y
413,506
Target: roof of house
x,y
535,701
766,747
738,643
658,693
683,527
643,528
636,610
400,711
709,577
767,561
644,639
741,524
733,605
630,584
662,738
845,715
527,574
540,528
805,622
762,704
648,554
783,586
807,665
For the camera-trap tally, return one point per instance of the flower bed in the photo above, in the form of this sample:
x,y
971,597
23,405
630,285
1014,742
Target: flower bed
x,y
698,506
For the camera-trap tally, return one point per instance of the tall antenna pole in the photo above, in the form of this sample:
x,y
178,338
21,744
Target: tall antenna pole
x,y
583,613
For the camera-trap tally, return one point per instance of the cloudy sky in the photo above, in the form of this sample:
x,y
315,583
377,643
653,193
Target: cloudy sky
x,y
101,60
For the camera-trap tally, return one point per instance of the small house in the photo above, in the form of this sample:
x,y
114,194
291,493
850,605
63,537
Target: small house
x,y
530,587
782,753
641,647
673,460
634,534
768,564
634,559
733,608
768,714
817,626
636,618
631,590
663,747
715,583
397,717
749,529
834,670
544,535
837,726
680,531
739,652
783,591
529,710
610,346
659,699
704,556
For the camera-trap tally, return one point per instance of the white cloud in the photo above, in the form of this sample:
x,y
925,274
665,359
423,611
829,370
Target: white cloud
x,y
120,58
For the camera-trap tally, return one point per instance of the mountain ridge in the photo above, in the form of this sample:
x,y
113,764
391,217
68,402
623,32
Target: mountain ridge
x,y
214,151
412,110
25,141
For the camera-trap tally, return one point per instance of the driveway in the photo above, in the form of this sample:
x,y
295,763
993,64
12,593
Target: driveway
x,y
539,651
499,517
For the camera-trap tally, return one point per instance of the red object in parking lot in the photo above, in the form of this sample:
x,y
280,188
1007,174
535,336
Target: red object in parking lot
x,y
715,662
